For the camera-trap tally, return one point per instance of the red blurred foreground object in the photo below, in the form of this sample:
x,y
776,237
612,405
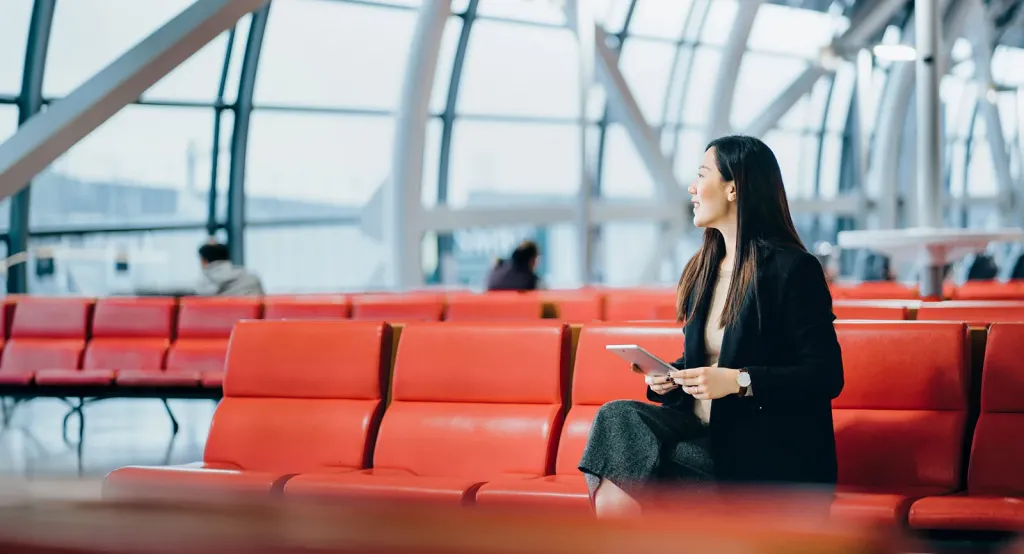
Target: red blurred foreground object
x,y
750,525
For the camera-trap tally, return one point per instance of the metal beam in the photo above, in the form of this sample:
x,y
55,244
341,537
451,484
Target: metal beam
x,y
785,100
30,102
49,134
729,69
240,137
623,105
218,112
927,21
403,206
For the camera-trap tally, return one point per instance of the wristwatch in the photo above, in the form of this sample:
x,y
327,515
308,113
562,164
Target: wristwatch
x,y
743,380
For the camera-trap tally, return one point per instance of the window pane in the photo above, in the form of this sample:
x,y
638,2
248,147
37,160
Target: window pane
x,y
542,12
761,79
718,25
8,126
842,95
625,175
647,67
445,60
981,175
145,166
334,54
528,159
157,260
660,18
772,30
786,146
831,163
237,56
195,80
515,70
706,62
315,164
313,258
89,34
1006,64
689,154
15,16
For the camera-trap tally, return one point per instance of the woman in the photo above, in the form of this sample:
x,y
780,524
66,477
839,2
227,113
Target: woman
x,y
518,273
760,356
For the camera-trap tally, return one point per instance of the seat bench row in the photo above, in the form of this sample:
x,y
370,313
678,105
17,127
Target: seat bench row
x,y
498,414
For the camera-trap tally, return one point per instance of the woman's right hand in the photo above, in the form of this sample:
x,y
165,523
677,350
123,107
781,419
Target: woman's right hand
x,y
660,384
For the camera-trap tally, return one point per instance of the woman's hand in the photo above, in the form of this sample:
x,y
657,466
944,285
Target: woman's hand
x,y
660,384
707,383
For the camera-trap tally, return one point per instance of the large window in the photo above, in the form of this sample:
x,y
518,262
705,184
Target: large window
x,y
14,24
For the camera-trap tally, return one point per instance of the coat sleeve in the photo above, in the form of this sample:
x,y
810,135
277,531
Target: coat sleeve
x,y
807,319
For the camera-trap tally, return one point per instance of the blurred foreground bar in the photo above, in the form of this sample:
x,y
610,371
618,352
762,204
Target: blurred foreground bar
x,y
735,523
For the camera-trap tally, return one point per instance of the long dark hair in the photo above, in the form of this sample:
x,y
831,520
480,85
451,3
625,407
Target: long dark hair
x,y
763,219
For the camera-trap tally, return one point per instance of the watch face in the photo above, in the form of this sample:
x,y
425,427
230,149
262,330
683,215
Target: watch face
x,y
743,379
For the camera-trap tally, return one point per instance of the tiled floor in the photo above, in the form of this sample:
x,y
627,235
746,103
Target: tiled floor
x,y
117,433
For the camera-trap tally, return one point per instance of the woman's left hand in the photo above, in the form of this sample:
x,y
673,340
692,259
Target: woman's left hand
x,y
707,383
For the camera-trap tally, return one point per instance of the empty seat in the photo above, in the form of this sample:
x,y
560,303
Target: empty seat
x,y
299,396
870,309
494,306
900,419
979,313
575,306
470,403
990,290
306,307
640,305
598,377
994,500
398,307
875,290
46,334
204,326
129,335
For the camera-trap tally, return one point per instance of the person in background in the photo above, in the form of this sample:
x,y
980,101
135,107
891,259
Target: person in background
x,y
223,278
518,273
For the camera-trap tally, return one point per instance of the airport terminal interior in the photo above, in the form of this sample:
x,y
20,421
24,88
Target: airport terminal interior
x,y
250,252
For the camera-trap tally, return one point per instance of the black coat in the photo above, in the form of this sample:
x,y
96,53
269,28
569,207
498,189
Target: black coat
x,y
783,432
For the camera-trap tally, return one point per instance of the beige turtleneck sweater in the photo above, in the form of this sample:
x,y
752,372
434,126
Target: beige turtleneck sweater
x,y
713,335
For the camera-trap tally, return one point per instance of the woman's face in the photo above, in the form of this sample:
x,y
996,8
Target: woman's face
x,y
714,198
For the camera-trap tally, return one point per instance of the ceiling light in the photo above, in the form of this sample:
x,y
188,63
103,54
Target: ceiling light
x,y
895,52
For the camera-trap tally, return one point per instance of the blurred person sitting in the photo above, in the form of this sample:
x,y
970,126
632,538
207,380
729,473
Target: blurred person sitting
x,y
518,273
223,278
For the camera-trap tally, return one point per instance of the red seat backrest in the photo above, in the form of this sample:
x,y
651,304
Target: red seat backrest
x,y
300,396
130,333
997,454
640,305
213,318
600,376
398,307
870,309
475,400
47,333
202,355
990,290
875,290
900,419
306,307
576,306
972,311
7,315
494,306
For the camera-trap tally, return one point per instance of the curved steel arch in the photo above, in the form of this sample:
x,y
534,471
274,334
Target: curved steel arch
x,y
30,101
240,136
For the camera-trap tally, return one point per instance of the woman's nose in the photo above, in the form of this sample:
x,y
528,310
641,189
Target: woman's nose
x,y
692,189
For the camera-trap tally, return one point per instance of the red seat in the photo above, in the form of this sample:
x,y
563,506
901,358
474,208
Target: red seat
x,y
900,419
128,334
875,290
398,307
46,334
470,403
978,313
599,377
197,356
494,306
576,306
640,305
299,396
306,307
990,290
894,310
994,500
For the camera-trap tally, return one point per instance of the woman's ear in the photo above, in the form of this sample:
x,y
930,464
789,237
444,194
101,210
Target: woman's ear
x,y
730,191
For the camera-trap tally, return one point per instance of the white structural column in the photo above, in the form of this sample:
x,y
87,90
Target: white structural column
x,y
49,134
929,133
979,31
581,20
402,224
729,69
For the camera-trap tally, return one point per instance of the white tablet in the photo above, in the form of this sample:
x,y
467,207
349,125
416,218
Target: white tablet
x,y
649,363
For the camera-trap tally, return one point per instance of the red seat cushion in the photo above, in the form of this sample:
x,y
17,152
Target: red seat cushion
x,y
870,309
974,312
74,377
27,356
969,513
157,378
213,379
384,484
564,492
899,422
187,480
16,377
